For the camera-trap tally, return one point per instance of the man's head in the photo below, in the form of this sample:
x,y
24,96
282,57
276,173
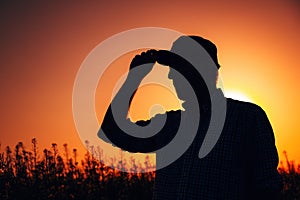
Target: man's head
x,y
208,46
204,54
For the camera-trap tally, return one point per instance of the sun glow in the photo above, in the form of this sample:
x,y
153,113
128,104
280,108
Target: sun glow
x,y
237,95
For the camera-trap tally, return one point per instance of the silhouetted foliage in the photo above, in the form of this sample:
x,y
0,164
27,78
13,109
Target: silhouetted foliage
x,y
291,179
23,175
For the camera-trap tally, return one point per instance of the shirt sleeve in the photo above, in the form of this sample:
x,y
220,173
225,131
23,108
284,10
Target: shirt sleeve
x,y
112,133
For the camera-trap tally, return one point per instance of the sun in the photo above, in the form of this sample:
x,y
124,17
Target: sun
x,y
237,95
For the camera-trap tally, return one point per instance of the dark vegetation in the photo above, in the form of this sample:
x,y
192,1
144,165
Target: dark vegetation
x,y
290,173
28,174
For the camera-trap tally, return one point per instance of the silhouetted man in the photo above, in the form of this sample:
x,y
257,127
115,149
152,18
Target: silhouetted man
x,y
243,161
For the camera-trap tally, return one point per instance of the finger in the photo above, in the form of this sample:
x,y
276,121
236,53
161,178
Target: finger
x,y
152,52
145,57
148,56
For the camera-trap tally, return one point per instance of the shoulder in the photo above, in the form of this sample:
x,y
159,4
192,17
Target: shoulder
x,y
245,110
249,115
243,106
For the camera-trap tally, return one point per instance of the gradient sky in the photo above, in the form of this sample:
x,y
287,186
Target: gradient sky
x,y
42,46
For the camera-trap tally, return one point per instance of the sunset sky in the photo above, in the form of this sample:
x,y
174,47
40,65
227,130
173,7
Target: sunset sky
x,y
42,46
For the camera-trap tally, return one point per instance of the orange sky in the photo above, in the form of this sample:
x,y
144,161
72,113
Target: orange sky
x,y
42,46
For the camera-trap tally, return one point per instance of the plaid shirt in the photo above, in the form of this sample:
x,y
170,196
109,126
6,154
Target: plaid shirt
x,y
242,165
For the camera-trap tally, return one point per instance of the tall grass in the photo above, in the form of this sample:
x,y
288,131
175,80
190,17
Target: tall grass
x,y
29,174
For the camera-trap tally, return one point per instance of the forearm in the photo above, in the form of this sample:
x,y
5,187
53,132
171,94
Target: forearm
x,y
115,126
126,93
110,130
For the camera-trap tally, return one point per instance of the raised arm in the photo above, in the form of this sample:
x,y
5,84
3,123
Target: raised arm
x,y
115,120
